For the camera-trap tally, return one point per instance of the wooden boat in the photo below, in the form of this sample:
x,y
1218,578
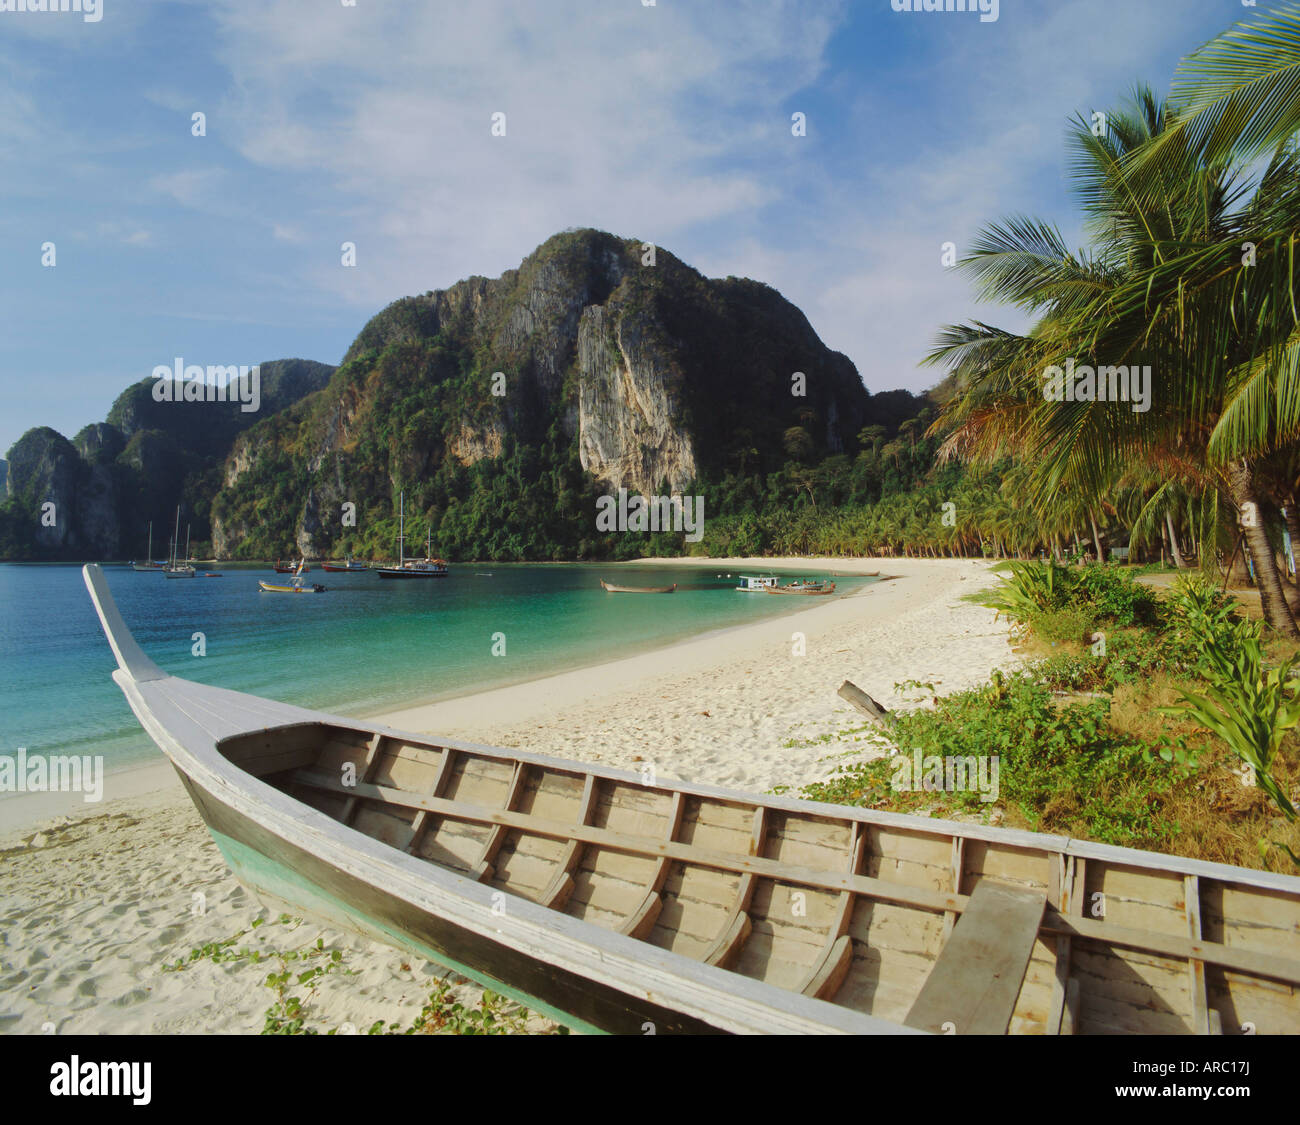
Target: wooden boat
x,y
346,568
610,901
612,589
289,568
755,584
803,588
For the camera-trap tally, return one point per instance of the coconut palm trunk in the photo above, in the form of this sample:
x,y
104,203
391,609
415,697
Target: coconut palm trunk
x,y
1292,514
1096,536
1271,595
1173,542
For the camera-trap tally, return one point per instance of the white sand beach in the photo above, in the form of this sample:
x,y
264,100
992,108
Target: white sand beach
x,y
98,900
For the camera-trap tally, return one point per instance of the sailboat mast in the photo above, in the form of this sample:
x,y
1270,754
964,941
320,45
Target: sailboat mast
x,y
149,557
176,536
401,532
187,542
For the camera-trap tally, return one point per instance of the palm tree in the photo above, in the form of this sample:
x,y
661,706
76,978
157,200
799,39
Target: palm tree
x,y
1238,96
1154,292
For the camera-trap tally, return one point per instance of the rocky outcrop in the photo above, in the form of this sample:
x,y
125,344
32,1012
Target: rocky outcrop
x,y
629,407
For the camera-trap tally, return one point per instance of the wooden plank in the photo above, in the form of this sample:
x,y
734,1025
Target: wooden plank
x,y
958,854
832,966
1212,953
1195,966
643,919
367,774
1065,895
738,926
976,980
853,694
420,825
557,894
482,870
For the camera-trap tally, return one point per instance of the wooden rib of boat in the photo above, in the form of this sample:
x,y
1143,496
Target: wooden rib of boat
x,y
609,587
610,903
808,588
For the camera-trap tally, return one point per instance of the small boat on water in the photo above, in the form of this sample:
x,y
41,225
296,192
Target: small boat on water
x,y
289,567
755,584
803,588
343,568
610,902
148,564
175,568
298,586
612,589
428,567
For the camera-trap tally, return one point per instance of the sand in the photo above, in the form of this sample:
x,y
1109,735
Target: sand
x,y
98,901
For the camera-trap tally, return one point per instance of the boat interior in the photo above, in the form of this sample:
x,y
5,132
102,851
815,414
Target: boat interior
x,y
950,928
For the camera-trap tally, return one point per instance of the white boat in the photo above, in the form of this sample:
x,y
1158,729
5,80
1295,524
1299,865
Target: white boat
x,y
751,584
148,564
175,568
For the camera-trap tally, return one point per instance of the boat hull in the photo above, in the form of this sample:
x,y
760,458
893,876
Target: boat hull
x,y
610,588
283,874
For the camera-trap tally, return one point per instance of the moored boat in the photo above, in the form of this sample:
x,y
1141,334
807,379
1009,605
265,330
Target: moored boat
x,y
427,567
343,568
755,584
609,587
175,568
611,903
148,564
803,588
298,585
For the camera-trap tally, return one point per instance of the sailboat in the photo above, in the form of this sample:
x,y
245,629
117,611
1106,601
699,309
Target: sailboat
x,y
175,568
411,568
148,563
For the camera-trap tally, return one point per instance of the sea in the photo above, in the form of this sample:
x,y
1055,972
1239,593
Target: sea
x,y
364,646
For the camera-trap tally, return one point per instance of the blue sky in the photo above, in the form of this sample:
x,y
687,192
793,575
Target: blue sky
x,y
371,124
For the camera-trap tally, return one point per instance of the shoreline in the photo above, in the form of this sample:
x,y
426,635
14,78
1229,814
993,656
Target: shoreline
x,y
136,778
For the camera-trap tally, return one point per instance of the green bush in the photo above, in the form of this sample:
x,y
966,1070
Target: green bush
x,y
1060,625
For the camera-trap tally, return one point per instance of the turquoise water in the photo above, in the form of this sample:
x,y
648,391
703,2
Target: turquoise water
x,y
366,645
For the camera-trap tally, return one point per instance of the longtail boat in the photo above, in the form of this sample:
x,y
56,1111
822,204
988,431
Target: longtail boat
x,y
810,588
613,901
610,588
